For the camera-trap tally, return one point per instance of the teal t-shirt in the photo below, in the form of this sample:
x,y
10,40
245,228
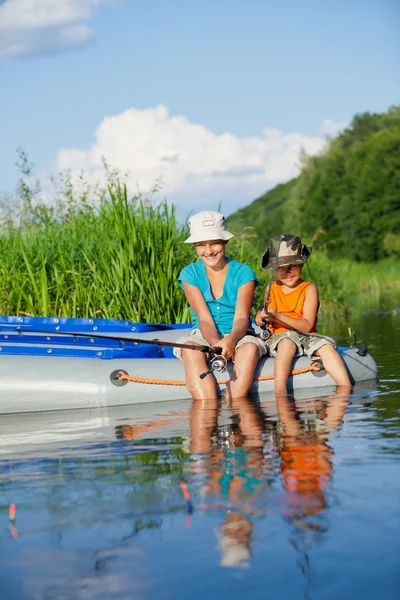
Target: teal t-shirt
x,y
222,309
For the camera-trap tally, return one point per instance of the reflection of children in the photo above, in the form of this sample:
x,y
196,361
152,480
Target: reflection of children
x,y
220,293
306,457
291,314
307,470
234,536
235,474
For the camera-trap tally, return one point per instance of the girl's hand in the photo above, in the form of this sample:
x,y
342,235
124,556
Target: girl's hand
x,y
227,345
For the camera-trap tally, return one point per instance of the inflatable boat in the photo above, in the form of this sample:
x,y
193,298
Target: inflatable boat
x,y
57,364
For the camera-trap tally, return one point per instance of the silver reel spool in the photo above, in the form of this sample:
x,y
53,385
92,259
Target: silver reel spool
x,y
265,334
217,363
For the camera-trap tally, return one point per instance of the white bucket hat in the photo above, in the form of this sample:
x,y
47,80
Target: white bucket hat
x,y
207,225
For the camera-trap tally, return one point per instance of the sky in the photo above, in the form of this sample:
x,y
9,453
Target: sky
x,y
214,99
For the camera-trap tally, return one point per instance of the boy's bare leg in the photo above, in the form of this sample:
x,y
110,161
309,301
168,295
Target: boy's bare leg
x,y
336,408
195,364
246,358
334,365
283,364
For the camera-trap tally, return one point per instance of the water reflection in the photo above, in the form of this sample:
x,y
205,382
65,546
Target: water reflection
x,y
237,463
235,471
306,469
278,487
306,456
251,468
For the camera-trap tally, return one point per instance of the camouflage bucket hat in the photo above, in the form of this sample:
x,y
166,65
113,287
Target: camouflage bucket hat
x,y
285,249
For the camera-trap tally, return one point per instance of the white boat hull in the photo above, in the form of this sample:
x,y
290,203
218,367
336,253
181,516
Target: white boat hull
x,y
52,368
58,383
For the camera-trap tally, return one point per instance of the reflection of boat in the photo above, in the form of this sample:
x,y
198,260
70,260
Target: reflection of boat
x,y
66,433
54,364
59,434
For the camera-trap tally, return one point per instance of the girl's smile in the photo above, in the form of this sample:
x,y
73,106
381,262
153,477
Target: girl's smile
x,y
211,251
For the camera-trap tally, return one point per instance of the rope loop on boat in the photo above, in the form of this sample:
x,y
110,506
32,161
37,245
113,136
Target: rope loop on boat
x,y
123,376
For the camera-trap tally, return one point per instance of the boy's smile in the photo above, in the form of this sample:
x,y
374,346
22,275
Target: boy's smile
x,y
289,275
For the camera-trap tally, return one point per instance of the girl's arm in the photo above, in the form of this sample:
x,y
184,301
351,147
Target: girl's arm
x,y
310,309
240,326
244,303
199,306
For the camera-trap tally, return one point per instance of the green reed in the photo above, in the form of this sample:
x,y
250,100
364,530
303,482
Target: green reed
x,y
117,259
104,253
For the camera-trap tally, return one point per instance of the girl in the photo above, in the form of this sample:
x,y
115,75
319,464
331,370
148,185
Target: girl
x,y
220,293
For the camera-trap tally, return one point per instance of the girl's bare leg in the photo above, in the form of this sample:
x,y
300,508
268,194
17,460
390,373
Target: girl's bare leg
x,y
283,364
195,364
203,419
251,423
334,365
246,358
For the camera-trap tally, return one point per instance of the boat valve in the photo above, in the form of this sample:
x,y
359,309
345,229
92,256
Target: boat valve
x,y
217,363
362,351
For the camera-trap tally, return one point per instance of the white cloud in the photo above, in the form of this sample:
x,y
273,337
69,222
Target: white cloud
x,y
331,128
39,26
191,160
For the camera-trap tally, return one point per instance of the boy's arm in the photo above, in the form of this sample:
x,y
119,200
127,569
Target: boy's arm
x,y
200,307
310,309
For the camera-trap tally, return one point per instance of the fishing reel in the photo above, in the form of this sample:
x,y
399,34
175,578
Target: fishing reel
x,y
265,333
217,363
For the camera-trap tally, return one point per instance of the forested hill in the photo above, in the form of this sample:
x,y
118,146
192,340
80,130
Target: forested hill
x,y
346,200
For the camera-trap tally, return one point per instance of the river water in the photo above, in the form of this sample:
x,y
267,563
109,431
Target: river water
x,y
296,499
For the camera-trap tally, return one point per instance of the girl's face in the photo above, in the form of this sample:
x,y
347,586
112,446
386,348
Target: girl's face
x,y
289,275
211,252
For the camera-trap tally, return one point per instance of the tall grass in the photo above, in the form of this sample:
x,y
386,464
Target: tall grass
x,y
104,253
116,258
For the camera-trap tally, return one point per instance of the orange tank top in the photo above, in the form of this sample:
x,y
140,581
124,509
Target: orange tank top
x,y
289,304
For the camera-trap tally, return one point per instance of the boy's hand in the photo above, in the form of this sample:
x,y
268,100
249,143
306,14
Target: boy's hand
x,y
271,315
261,317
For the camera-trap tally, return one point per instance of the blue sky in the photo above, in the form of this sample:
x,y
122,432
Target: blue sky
x,y
215,97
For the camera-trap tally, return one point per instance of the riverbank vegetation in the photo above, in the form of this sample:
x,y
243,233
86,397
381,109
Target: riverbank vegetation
x,y
109,255
84,251
346,200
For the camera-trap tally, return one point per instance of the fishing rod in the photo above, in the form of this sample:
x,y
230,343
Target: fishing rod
x,y
265,331
201,348
217,361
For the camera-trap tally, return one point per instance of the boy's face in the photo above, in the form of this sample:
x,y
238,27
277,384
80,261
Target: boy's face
x,y
289,275
211,251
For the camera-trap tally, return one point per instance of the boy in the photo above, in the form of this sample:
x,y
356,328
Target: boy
x,y
291,315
